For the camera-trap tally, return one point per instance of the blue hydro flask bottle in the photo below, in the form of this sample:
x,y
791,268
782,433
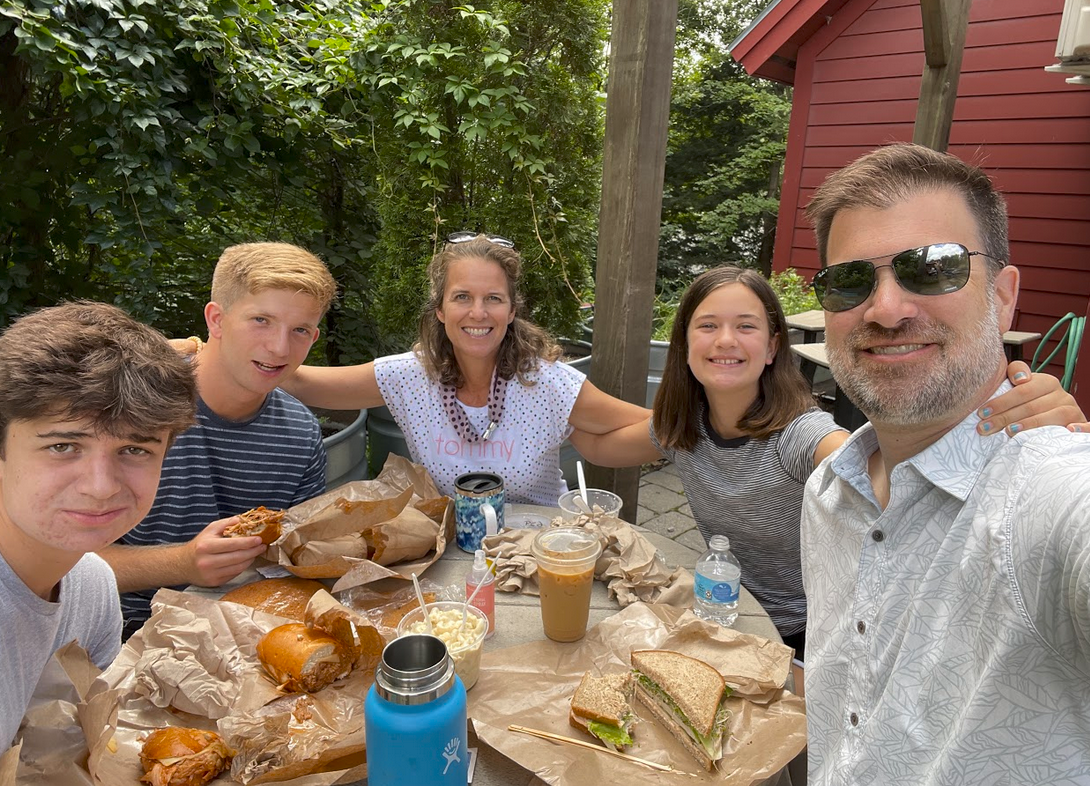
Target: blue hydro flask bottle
x,y
416,717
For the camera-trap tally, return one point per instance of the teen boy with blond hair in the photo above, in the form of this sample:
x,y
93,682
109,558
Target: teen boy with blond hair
x,y
253,444
90,400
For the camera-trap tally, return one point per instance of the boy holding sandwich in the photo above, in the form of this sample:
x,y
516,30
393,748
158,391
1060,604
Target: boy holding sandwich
x,y
253,445
90,400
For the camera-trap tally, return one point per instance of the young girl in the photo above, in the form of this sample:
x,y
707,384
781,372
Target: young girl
x,y
737,417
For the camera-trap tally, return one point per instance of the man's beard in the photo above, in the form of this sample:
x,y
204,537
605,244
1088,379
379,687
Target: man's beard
x,y
900,396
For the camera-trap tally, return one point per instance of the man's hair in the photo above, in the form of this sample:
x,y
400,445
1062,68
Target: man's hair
x,y
892,174
250,268
92,361
783,395
523,346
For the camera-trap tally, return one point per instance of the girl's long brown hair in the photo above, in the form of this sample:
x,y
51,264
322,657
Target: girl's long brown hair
x,y
783,392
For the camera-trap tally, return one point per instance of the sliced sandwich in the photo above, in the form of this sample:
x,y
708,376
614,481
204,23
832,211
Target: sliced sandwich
x,y
601,706
686,696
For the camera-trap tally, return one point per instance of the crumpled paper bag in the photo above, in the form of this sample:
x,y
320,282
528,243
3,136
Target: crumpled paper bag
x,y
199,654
390,527
53,747
531,685
630,564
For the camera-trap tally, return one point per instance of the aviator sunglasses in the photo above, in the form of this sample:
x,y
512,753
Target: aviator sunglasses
x,y
937,269
465,236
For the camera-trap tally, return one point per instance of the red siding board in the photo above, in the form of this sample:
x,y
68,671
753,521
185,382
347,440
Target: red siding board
x,y
883,20
1063,282
1055,156
1012,106
870,135
1053,255
1049,303
1001,32
1020,130
984,10
984,83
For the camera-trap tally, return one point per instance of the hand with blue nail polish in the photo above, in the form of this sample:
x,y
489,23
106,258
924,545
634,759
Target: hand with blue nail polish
x,y
1036,400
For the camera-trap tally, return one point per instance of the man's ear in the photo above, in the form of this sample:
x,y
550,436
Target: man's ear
x,y
213,317
1006,295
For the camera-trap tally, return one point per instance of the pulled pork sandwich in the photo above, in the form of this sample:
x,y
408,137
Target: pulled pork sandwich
x,y
302,659
260,522
183,757
284,597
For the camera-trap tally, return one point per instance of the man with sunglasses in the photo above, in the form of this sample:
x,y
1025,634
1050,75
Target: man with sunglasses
x,y
947,574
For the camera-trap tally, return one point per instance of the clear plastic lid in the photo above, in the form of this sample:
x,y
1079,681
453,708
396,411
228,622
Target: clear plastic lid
x,y
563,545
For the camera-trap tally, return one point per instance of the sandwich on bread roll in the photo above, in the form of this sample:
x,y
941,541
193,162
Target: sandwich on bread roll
x,y
600,706
686,696
183,757
302,659
259,522
285,597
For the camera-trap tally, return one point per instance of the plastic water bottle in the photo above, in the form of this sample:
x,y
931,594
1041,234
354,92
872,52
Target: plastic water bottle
x,y
485,600
415,717
717,582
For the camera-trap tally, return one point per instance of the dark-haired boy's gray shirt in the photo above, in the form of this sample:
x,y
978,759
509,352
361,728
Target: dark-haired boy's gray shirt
x,y
220,468
751,491
86,611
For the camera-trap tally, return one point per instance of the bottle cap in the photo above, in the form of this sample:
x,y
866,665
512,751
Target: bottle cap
x,y
480,565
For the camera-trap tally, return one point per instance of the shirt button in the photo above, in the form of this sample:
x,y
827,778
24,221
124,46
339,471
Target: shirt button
x,y
878,536
861,626
854,719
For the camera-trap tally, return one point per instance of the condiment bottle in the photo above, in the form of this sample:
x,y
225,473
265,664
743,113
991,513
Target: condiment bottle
x,y
415,717
481,574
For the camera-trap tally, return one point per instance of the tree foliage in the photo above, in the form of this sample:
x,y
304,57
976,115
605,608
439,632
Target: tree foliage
x,y
727,141
138,139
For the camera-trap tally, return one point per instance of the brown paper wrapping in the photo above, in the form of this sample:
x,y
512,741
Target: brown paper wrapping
x,y
54,750
198,653
630,565
390,527
531,685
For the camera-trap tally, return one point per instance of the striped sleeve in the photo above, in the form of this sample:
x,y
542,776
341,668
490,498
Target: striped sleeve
x,y
800,439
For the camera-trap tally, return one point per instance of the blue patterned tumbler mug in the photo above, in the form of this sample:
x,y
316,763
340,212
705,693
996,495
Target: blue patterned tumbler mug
x,y
474,494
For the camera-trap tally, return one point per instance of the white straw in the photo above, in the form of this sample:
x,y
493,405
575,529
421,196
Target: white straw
x,y
469,600
582,485
423,605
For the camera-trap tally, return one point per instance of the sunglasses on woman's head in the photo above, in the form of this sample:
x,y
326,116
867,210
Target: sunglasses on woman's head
x,y
937,269
466,236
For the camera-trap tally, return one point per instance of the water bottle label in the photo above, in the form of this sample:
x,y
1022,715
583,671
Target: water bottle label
x,y
711,591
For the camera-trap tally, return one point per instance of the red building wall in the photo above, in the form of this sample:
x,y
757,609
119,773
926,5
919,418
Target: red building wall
x,y
857,81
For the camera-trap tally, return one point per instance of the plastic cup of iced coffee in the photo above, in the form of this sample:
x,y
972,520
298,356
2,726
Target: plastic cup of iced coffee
x,y
565,575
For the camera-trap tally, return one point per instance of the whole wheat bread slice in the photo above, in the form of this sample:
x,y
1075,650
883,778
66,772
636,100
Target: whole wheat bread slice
x,y
604,699
696,687
666,718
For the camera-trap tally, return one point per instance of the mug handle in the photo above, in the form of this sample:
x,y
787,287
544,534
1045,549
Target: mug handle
x,y
490,521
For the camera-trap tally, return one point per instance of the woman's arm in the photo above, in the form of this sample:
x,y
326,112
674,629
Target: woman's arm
x,y
1036,400
335,387
610,432
629,446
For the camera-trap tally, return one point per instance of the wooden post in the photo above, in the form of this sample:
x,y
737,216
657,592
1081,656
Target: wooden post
x,y
637,117
945,23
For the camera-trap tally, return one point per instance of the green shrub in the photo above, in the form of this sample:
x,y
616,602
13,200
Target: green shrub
x,y
794,293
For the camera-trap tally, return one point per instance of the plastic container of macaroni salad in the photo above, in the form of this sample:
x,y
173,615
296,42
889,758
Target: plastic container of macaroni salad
x,y
463,644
